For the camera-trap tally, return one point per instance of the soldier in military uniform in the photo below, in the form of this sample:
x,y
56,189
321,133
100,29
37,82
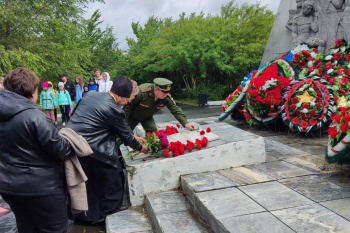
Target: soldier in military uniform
x,y
152,98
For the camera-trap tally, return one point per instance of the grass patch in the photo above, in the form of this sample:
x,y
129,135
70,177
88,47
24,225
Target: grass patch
x,y
193,102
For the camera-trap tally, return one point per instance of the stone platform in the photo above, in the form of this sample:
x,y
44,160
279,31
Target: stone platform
x,y
234,148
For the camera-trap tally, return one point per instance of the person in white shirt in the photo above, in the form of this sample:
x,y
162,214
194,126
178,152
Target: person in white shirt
x,y
105,84
98,76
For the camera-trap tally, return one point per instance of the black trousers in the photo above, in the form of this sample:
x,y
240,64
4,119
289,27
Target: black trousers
x,y
65,113
39,214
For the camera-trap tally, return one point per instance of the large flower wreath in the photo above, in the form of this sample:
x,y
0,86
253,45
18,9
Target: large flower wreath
x,y
235,99
265,91
338,148
308,105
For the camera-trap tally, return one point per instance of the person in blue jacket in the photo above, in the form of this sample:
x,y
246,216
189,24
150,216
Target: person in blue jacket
x,y
64,101
79,88
92,85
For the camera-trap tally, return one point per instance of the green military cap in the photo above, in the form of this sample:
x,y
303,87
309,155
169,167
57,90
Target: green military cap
x,y
163,84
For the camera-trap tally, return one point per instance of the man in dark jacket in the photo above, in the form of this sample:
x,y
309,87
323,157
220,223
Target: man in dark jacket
x,y
31,155
100,119
68,85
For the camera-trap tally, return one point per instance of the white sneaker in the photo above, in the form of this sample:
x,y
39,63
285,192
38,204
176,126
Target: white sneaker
x,y
64,124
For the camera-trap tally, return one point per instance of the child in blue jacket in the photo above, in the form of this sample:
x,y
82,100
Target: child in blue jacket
x,y
64,101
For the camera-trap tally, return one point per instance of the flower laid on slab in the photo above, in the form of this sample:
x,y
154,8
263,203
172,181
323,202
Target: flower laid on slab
x,y
159,146
308,105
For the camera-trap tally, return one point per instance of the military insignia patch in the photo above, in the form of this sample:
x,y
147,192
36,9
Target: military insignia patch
x,y
144,105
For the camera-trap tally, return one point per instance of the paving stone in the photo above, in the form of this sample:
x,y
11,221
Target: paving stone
x,y
270,158
205,181
316,188
244,175
340,206
167,202
280,150
315,163
273,195
218,204
312,219
255,223
131,220
281,169
184,222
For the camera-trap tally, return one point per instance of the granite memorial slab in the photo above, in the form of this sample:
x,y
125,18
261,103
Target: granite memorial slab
x,y
281,169
184,222
245,175
205,181
312,219
255,223
316,188
280,150
265,195
340,206
213,206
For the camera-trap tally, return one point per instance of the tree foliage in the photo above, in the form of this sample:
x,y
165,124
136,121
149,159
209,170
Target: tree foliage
x,y
51,37
198,50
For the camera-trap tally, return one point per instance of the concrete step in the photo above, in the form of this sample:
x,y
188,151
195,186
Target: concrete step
x,y
171,212
131,220
225,208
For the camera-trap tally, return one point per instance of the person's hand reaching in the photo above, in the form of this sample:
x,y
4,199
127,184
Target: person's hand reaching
x,y
190,126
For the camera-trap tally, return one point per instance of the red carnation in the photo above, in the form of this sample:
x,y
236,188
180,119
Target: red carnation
x,y
296,58
318,99
293,107
347,57
332,132
337,118
304,124
247,116
331,81
295,121
266,100
229,98
337,56
254,92
297,113
294,100
166,153
208,130
312,121
329,66
223,108
344,127
301,65
239,88
202,132
304,117
176,153
198,144
204,142
325,77
258,98
312,112
178,125
344,80
305,106
311,69
338,43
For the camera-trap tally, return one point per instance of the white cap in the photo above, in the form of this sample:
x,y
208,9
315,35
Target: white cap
x,y
60,84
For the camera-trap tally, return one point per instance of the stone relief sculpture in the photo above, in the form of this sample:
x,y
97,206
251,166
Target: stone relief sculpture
x,y
320,22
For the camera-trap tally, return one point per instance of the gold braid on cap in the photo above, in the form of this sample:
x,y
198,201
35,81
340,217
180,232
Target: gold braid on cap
x,y
164,89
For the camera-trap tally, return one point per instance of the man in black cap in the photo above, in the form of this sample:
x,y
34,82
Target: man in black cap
x,y
100,119
152,98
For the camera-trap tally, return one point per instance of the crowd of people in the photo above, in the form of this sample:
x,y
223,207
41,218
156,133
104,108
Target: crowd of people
x,y
68,94
34,178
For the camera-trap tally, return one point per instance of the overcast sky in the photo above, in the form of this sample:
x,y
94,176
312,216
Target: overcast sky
x,y
121,13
